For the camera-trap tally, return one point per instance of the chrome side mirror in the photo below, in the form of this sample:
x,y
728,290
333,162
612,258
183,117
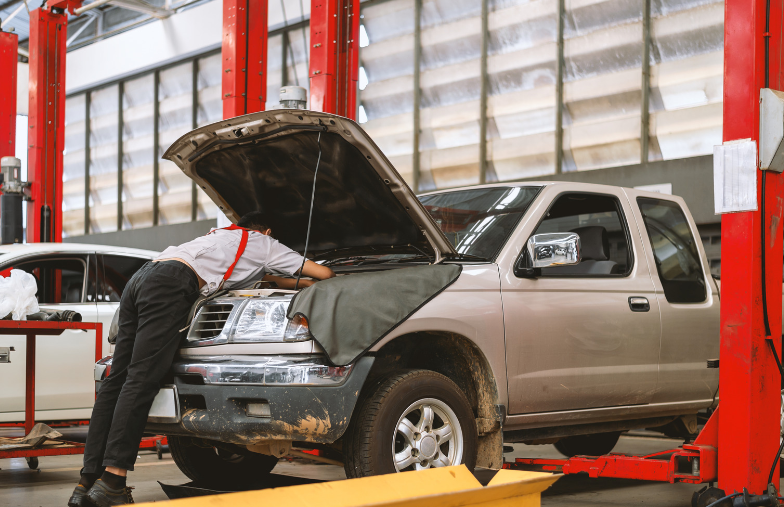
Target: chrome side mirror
x,y
555,249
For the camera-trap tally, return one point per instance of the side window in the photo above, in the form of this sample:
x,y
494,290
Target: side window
x,y
604,237
59,280
674,250
117,270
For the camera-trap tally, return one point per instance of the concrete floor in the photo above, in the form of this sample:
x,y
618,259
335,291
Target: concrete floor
x,y
52,484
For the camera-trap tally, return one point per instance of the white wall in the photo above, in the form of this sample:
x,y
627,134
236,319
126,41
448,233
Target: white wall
x,y
22,86
189,32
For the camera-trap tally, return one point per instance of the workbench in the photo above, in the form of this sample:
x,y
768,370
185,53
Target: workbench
x,y
32,329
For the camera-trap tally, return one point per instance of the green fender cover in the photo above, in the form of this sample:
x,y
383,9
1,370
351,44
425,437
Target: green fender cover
x,y
348,314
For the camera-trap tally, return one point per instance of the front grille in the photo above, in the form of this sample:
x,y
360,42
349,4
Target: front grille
x,y
211,320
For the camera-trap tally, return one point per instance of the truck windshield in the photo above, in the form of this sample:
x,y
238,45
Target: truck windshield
x,y
478,221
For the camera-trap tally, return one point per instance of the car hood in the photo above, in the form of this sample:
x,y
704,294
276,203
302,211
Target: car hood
x,y
266,161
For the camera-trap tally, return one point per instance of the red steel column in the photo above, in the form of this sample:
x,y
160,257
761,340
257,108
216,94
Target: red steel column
x,y
30,382
47,125
244,55
334,56
8,58
749,380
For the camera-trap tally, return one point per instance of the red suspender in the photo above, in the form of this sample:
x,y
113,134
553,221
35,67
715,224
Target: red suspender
x,y
240,250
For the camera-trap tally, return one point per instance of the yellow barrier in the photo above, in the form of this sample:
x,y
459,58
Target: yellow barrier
x,y
444,487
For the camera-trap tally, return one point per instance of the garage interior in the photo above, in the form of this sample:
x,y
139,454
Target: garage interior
x,y
654,96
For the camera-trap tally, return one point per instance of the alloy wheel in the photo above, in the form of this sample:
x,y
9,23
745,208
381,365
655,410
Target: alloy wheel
x,y
428,434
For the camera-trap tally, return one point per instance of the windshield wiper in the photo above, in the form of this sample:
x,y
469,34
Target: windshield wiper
x,y
469,257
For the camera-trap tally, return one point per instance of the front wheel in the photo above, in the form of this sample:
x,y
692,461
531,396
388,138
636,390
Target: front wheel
x,y
210,465
410,420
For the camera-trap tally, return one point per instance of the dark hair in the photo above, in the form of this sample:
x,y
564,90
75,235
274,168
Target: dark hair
x,y
255,220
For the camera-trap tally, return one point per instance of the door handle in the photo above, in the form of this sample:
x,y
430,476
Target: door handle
x,y
639,304
5,354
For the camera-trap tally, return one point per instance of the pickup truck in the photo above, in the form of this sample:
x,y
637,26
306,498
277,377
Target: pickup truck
x,y
581,311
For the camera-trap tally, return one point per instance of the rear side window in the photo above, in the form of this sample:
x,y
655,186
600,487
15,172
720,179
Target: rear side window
x,y
674,250
117,270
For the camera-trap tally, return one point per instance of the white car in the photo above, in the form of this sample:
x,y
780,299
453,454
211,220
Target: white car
x,y
88,279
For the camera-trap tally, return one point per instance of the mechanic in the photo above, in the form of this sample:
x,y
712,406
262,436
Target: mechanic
x,y
154,307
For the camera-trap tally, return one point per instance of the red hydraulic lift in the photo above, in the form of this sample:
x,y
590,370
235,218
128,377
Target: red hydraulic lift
x,y
8,58
737,447
244,57
334,56
749,379
46,120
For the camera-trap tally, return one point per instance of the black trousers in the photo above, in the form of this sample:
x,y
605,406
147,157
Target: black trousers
x,y
154,307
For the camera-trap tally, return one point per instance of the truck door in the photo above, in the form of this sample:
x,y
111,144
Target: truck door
x,y
688,302
575,337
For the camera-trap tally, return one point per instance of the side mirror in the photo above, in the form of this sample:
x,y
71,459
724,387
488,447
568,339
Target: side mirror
x,y
555,249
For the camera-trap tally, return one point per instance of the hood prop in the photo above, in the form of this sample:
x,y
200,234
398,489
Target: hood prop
x,y
310,214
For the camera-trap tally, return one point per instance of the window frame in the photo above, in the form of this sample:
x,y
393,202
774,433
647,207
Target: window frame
x,y
624,224
84,257
102,279
695,239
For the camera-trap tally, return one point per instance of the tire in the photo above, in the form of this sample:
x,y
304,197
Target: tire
x,y
597,444
404,400
206,464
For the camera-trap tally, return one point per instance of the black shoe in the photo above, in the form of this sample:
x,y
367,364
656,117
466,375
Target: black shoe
x,y
78,497
101,495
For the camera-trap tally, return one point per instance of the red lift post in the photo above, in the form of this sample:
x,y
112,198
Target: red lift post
x,y
334,56
46,136
8,62
244,55
749,378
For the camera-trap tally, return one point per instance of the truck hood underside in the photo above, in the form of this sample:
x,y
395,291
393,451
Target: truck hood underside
x,y
266,161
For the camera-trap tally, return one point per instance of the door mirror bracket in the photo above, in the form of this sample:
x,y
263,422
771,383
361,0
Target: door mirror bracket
x,y
527,272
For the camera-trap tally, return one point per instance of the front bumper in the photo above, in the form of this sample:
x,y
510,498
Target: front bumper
x,y
318,414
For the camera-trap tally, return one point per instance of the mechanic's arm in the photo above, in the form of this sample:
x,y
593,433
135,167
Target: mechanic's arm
x,y
288,283
311,270
317,271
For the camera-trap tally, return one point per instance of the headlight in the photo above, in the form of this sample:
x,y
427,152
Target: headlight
x,y
264,320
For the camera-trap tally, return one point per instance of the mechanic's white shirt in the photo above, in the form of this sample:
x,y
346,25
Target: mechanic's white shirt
x,y
212,255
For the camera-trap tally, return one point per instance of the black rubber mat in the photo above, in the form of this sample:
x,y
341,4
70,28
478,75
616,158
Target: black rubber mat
x,y
192,489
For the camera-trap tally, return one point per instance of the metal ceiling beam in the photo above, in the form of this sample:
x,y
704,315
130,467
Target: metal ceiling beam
x,y
6,5
12,15
143,7
81,29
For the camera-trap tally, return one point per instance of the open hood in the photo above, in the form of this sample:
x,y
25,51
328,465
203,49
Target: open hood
x,y
266,161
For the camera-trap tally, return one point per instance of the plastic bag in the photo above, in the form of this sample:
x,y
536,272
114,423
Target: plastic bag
x,y
17,295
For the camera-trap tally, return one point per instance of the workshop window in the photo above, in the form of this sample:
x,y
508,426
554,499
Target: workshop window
x,y
674,250
604,237
74,154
